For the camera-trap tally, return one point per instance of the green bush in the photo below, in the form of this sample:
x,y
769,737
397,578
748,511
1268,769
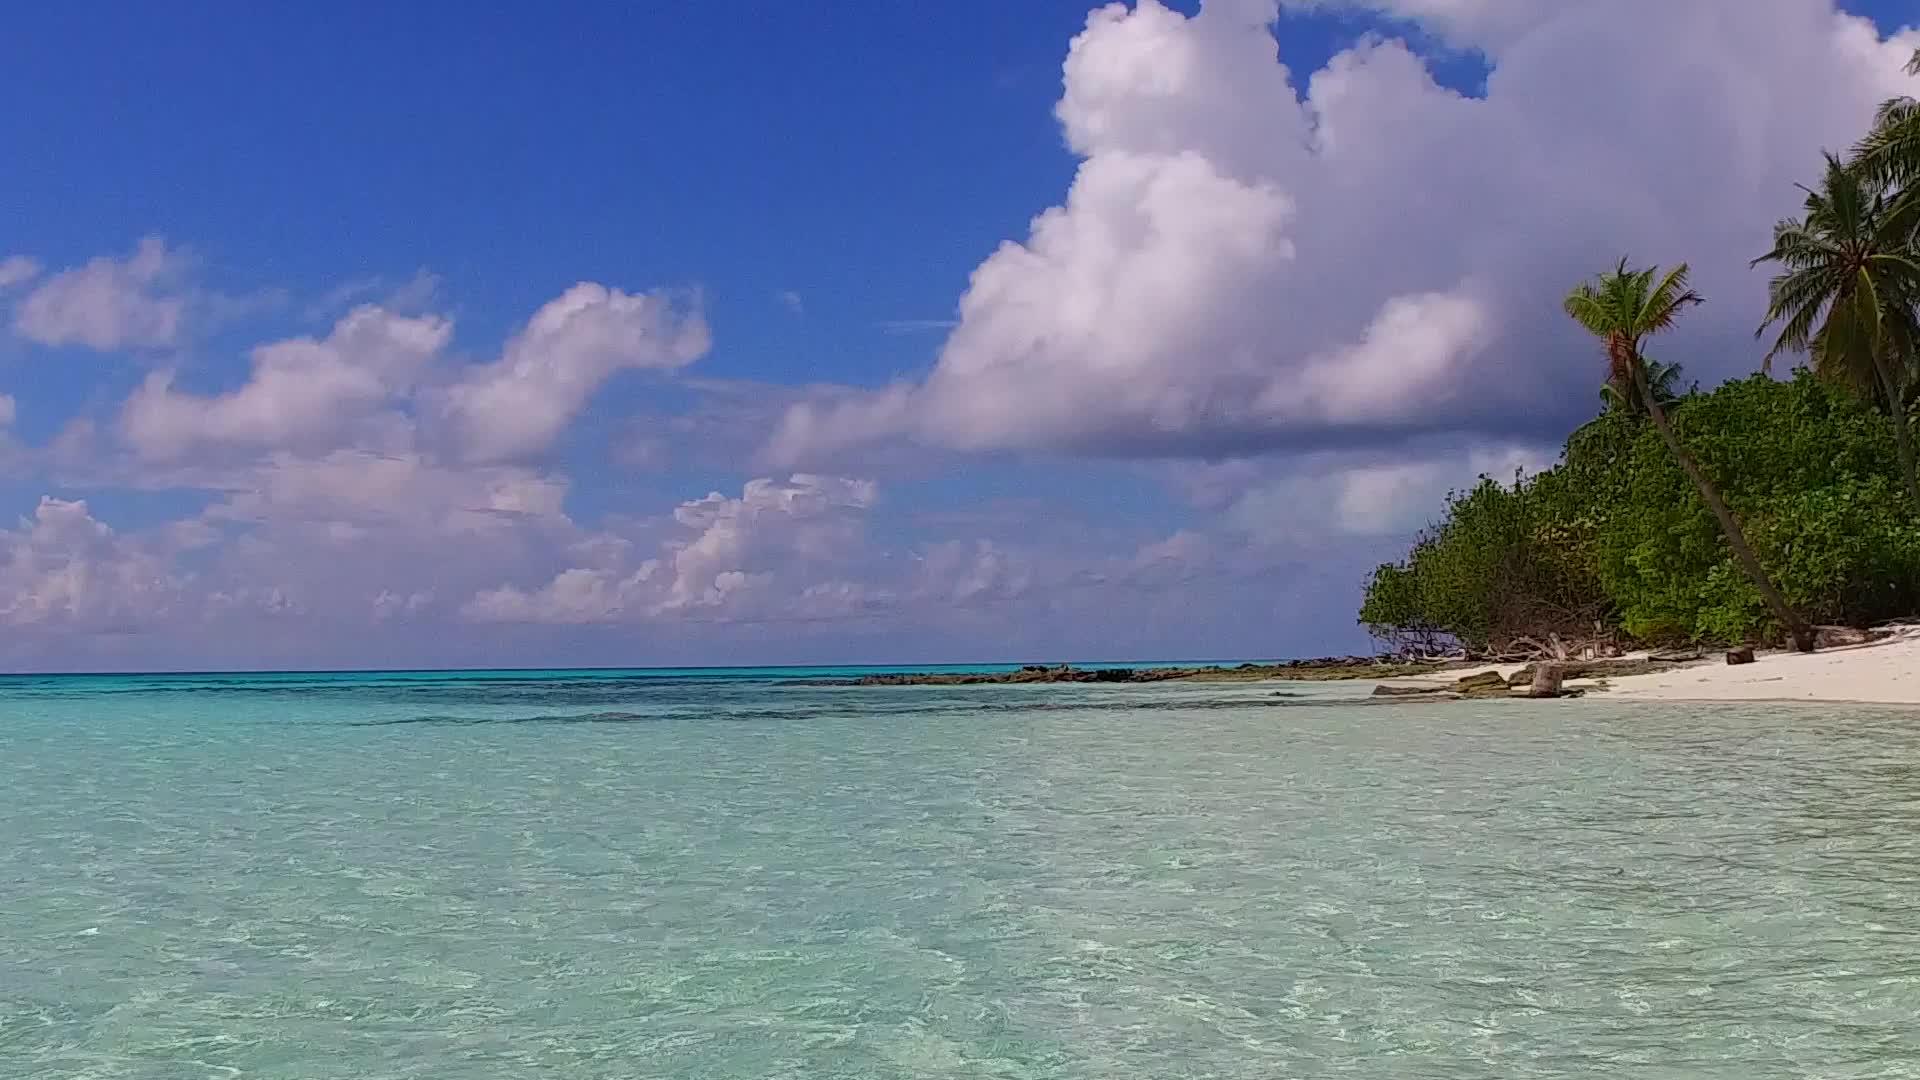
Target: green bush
x,y
1616,533
1497,566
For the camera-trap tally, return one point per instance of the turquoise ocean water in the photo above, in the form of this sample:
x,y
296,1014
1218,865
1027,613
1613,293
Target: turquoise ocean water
x,y
711,874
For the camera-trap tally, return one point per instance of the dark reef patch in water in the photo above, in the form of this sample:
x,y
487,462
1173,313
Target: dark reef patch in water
x,y
550,718
946,708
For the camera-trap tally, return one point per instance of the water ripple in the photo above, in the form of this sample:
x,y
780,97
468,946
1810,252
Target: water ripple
x,y
601,881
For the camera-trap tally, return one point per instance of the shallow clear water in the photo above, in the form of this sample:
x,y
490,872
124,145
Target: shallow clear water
x,y
603,875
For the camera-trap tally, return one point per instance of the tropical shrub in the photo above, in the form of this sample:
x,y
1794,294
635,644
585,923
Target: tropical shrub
x,y
1616,533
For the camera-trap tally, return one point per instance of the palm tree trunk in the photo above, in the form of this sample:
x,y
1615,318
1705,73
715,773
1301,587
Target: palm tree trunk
x,y
1797,629
1902,436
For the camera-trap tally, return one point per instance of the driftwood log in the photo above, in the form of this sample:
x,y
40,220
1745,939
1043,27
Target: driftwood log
x,y
1527,650
1835,637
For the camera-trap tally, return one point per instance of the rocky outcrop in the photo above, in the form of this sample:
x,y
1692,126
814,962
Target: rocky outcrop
x,y
1321,670
1032,673
1411,691
1487,684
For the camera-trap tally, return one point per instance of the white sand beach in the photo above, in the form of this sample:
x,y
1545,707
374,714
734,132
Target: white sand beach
x,y
1881,672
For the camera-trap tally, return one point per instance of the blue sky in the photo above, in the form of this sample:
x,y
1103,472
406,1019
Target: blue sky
x,y
1128,446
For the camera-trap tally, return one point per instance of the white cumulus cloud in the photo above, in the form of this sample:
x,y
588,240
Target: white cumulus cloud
x,y
518,404
1369,495
108,303
302,392
775,550
382,381
64,569
17,270
1248,262
351,491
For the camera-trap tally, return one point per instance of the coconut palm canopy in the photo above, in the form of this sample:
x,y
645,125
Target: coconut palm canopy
x,y
1850,276
1625,307
1848,292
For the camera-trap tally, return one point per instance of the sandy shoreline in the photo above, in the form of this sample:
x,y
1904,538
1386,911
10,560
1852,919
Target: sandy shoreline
x,y
1880,673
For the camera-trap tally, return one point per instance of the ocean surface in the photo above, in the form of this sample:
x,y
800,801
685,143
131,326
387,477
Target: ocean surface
x,y
709,874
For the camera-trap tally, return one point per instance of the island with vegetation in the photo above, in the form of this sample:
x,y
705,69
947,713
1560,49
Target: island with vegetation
x,y
1765,511
1751,513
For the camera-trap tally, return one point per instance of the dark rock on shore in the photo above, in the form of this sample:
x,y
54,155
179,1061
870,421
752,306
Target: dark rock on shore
x,y
1486,684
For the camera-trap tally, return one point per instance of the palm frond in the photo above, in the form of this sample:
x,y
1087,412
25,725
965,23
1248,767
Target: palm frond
x,y
1843,350
1902,348
1587,305
1902,265
1894,111
1888,157
1797,248
1900,221
1794,337
1666,300
1814,286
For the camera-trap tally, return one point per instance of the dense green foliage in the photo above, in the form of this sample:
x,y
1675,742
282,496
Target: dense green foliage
x,y
1616,534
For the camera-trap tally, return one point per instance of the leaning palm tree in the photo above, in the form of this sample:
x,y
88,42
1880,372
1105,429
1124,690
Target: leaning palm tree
x,y
1846,295
1622,308
1889,157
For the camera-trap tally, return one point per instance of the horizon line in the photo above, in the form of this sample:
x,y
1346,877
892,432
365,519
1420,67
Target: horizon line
x,y
186,672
